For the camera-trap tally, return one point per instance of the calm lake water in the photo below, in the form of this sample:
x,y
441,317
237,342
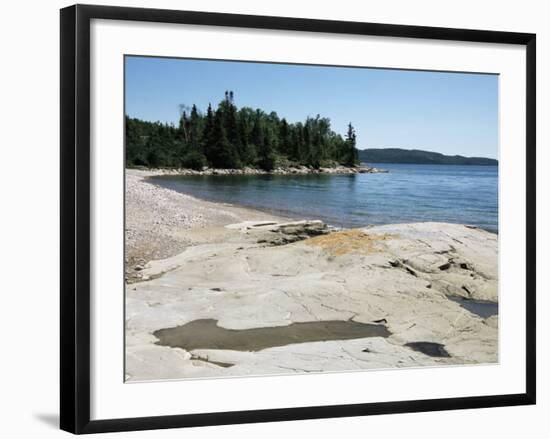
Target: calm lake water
x,y
408,193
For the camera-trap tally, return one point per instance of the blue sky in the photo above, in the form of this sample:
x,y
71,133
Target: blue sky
x,y
451,113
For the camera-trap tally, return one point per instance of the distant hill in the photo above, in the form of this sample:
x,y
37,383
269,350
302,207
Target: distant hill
x,y
417,156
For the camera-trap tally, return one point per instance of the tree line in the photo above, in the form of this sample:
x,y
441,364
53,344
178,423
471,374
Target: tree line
x,y
232,138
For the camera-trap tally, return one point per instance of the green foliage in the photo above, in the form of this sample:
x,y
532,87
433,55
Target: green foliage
x,y
223,153
194,160
351,155
266,149
231,138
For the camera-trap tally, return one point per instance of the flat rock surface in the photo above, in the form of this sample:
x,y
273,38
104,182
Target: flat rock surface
x,y
401,288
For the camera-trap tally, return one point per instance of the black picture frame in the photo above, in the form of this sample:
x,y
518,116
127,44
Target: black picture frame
x,y
75,217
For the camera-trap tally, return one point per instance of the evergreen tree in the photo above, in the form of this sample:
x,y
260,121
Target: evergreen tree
x,y
194,137
231,124
246,117
223,153
208,141
182,129
351,157
305,152
257,135
285,141
266,154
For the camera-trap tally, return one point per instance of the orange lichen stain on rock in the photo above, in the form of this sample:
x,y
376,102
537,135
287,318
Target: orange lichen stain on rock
x,y
349,241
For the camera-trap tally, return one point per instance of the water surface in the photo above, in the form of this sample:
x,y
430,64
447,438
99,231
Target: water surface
x,y
407,193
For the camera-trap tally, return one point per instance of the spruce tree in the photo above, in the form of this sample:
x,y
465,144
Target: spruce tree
x,y
351,157
195,129
284,138
231,124
266,154
257,135
208,140
223,153
305,153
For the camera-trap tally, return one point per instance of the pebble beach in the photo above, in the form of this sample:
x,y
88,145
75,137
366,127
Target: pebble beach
x,y
159,221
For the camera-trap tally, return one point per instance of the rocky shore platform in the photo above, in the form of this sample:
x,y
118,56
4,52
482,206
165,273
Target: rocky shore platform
x,y
245,293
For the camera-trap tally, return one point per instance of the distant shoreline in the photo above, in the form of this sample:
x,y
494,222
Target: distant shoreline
x,y
420,157
429,163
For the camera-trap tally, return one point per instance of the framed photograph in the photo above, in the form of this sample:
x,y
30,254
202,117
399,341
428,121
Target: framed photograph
x,y
275,218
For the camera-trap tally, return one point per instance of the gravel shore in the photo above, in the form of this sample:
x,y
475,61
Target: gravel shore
x,y
161,223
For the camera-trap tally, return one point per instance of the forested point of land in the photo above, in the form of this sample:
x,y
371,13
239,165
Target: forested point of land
x,y
232,138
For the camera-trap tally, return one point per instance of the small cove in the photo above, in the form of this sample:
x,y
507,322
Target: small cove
x,y
406,194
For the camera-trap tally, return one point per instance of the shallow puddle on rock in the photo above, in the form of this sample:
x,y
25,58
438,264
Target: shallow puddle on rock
x,y
429,348
206,334
482,308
